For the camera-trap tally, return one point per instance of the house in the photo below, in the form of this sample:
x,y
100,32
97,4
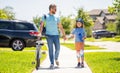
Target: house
x,y
95,13
101,17
110,18
99,23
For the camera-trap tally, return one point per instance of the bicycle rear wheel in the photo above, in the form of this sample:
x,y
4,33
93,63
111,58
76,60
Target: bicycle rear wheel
x,y
37,61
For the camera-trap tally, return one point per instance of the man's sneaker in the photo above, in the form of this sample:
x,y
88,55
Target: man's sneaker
x,y
51,66
57,63
78,65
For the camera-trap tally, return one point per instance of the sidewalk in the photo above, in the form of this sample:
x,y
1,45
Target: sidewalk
x,y
111,46
68,62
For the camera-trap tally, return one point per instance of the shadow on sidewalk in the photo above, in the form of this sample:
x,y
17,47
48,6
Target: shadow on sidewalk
x,y
43,68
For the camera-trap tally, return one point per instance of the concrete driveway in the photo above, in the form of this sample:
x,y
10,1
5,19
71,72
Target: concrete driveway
x,y
113,46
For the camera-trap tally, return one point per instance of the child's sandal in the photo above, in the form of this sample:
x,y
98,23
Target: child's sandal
x,y
78,65
82,65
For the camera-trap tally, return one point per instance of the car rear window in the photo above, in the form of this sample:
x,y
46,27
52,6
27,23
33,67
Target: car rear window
x,y
24,26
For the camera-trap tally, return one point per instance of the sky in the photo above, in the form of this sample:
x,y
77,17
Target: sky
x,y
27,9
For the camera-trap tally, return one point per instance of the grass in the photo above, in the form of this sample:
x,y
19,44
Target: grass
x,y
87,47
25,49
18,61
103,62
114,39
90,39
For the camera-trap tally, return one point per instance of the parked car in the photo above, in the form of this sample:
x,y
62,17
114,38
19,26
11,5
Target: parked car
x,y
103,33
17,34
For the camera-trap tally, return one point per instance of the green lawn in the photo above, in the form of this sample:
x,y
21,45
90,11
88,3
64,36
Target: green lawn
x,y
18,61
114,39
103,62
87,47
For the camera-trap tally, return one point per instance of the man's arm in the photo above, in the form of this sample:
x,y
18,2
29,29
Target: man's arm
x,y
41,27
62,30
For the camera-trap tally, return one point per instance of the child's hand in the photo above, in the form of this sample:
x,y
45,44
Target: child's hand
x,y
83,38
70,36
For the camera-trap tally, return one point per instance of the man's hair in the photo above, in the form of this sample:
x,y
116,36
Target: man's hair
x,y
52,6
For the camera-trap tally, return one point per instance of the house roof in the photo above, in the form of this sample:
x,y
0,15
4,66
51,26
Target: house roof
x,y
111,17
100,19
106,11
98,11
95,12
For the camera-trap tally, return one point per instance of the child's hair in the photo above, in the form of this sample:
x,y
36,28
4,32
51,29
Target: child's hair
x,y
79,20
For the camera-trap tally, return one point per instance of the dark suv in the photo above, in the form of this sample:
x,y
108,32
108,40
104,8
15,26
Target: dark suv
x,y
103,33
17,34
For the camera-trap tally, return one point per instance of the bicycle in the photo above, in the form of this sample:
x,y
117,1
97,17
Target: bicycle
x,y
39,44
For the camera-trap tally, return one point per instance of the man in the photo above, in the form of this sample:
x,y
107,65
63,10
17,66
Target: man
x,y
52,23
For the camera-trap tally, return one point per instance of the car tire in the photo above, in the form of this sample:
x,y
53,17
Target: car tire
x,y
112,35
17,45
98,37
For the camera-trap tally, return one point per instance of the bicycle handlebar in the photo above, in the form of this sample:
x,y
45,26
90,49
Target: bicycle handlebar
x,y
39,42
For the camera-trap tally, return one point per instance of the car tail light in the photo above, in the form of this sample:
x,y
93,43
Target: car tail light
x,y
33,33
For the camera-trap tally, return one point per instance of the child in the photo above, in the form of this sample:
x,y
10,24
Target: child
x,y
79,34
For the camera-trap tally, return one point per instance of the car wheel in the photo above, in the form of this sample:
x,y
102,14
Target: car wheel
x,y
112,35
98,37
17,45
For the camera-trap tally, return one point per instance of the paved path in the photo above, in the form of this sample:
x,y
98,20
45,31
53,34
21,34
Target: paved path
x,y
109,45
68,62
68,58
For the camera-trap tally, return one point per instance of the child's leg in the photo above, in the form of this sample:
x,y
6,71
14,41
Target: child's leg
x,y
78,56
77,47
81,51
82,55
82,61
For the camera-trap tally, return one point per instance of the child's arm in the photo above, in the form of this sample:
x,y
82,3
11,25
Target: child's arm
x,y
84,38
84,35
70,36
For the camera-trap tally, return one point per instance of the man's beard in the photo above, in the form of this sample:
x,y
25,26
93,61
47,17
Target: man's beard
x,y
53,12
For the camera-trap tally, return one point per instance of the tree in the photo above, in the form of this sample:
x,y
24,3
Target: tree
x,y
66,22
88,22
116,5
116,9
2,14
111,26
118,23
111,9
7,13
36,21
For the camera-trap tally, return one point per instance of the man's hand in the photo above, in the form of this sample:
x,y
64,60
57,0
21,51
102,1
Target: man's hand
x,y
64,37
39,36
62,30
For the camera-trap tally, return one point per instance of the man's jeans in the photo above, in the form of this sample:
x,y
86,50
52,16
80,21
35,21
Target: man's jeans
x,y
53,40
